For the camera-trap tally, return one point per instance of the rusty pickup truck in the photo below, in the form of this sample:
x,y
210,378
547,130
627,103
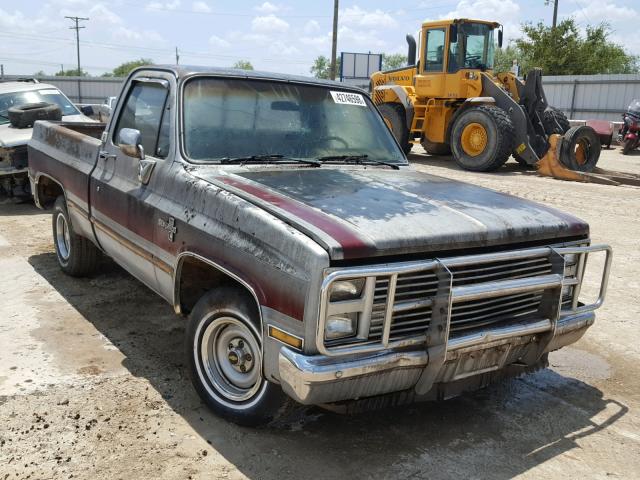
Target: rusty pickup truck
x,y
314,263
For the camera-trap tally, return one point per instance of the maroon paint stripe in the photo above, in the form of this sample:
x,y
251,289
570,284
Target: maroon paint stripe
x,y
352,245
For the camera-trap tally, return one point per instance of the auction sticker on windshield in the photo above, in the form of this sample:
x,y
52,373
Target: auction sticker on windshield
x,y
347,98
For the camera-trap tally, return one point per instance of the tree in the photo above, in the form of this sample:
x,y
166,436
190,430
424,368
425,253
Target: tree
x,y
321,67
243,65
71,73
504,59
393,61
124,69
564,51
40,73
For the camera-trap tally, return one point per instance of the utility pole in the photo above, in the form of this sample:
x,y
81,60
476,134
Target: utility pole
x,y
555,12
77,28
177,57
2,71
334,42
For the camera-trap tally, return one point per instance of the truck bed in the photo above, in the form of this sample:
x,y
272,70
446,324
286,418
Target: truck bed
x,y
65,153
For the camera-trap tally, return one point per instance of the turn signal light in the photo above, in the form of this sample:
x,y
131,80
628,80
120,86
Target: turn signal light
x,y
285,337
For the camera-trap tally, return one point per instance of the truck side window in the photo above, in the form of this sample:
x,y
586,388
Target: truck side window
x,y
143,111
434,51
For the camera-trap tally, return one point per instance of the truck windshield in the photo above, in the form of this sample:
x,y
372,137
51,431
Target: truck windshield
x,y
474,48
234,118
49,95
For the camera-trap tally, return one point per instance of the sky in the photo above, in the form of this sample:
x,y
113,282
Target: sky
x,y
281,36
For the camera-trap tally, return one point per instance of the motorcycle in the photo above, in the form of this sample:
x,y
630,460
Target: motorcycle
x,y
629,134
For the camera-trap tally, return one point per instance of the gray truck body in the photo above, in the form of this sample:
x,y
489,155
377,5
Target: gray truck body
x,y
462,284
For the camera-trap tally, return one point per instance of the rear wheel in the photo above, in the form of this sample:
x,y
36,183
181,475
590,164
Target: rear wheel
x,y
394,117
627,146
481,138
224,352
77,256
433,148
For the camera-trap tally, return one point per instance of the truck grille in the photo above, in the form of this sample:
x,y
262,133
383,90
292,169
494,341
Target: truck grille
x,y
412,317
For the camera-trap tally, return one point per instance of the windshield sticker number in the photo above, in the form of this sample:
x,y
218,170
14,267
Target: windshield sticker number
x,y
346,98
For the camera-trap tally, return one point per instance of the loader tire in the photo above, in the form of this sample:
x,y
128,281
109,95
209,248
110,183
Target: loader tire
x,y
394,117
77,256
433,148
482,138
580,149
555,121
24,116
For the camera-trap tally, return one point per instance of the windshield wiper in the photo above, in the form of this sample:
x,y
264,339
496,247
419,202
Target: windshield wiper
x,y
269,158
359,159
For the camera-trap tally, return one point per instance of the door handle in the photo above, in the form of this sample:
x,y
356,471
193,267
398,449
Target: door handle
x,y
106,155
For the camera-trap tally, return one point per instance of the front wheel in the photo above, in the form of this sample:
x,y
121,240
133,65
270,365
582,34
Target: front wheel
x,y
482,138
224,351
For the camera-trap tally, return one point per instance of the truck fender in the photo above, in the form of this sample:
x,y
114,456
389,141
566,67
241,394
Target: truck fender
x,y
219,274
403,98
35,189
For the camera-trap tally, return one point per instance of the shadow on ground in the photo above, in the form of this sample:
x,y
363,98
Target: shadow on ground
x,y
511,168
498,432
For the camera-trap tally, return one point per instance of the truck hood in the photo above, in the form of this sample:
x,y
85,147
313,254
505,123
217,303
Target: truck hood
x,y
357,213
14,137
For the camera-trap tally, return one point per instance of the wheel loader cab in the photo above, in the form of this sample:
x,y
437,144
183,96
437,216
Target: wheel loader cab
x,y
450,53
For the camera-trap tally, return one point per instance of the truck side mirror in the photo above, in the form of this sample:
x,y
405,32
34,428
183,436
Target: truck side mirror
x,y
130,142
453,33
500,35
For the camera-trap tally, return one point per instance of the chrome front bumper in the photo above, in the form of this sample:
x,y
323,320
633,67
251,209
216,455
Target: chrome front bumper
x,y
321,379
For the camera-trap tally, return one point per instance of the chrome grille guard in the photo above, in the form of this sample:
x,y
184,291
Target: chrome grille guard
x,y
436,336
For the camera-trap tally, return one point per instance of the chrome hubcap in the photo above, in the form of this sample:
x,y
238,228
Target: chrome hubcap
x,y
63,238
231,360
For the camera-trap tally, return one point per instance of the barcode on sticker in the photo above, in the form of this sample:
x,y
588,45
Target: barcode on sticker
x,y
347,98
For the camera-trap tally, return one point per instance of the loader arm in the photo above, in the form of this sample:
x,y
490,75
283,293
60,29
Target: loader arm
x,y
521,123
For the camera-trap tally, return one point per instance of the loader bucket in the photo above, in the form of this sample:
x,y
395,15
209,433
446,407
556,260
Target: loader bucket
x,y
549,165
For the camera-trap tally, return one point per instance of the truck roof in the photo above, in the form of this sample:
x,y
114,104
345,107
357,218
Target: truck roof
x,y
182,71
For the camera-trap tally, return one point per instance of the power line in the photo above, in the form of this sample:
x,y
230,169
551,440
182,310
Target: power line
x,y
77,28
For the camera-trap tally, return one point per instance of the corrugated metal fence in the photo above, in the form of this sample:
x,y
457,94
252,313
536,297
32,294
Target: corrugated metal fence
x,y
93,89
584,97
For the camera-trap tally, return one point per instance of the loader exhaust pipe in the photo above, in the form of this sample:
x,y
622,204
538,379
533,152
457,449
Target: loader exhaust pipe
x,y
411,53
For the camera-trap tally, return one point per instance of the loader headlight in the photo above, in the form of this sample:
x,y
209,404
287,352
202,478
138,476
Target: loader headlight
x,y
346,290
341,326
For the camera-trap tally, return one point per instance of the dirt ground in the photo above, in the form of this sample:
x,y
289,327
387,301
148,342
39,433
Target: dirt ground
x,y
93,383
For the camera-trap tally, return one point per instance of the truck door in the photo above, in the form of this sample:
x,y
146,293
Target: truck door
x,y
123,187
431,82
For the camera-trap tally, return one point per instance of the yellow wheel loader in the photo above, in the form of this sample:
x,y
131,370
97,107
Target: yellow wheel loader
x,y
452,102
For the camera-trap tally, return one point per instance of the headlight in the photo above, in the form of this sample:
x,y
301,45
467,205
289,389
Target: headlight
x,y
346,290
341,326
